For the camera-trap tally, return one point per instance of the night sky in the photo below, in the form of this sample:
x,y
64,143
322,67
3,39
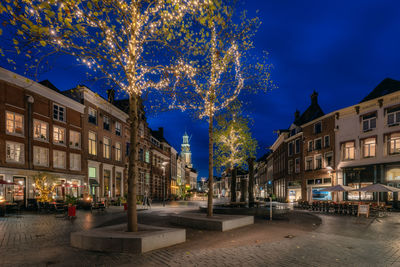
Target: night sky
x,y
341,49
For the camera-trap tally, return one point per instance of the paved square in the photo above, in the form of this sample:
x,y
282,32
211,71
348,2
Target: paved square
x,y
299,240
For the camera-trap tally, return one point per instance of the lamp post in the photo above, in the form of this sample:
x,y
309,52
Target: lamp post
x,y
164,182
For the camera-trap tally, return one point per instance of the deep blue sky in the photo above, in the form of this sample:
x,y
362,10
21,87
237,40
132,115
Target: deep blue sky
x,y
341,49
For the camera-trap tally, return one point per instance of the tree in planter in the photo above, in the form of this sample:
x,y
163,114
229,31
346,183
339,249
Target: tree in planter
x,y
44,186
221,67
234,144
126,43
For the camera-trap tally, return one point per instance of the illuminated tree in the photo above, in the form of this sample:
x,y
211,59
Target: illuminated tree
x,y
234,145
44,186
124,42
217,68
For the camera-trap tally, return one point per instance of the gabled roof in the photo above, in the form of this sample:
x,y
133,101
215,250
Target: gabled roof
x,y
385,87
48,84
312,112
264,157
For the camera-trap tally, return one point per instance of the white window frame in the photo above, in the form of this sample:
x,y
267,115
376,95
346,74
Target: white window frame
x,y
56,158
106,148
309,159
58,133
346,151
315,143
92,144
40,156
325,161
75,162
396,118
396,142
118,151
106,119
94,111
71,144
118,128
13,122
22,152
368,121
366,147
316,158
58,112
41,123
295,146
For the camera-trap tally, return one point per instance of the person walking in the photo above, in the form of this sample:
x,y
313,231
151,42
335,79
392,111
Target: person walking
x,y
144,203
149,202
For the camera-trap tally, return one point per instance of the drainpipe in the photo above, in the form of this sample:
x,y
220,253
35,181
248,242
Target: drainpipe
x,y
30,101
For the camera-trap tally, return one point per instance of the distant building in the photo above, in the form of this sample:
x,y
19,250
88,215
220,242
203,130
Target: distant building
x,y
186,154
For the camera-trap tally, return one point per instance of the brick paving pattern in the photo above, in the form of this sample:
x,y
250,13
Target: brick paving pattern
x,y
43,240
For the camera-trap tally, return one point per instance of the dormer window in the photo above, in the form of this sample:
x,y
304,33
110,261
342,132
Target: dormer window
x,y
369,122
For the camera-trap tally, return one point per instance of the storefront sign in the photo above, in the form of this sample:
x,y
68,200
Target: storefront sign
x,y
363,209
318,193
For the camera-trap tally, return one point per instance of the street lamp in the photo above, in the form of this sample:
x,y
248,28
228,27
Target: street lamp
x,y
163,168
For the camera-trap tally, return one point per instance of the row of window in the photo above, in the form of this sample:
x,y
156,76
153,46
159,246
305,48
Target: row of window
x,y
92,146
296,145
315,162
312,145
92,118
368,147
311,163
392,119
15,153
317,143
15,126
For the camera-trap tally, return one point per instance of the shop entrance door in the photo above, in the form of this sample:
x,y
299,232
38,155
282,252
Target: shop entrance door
x,y
19,189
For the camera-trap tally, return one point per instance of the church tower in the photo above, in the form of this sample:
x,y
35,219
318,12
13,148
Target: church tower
x,y
185,151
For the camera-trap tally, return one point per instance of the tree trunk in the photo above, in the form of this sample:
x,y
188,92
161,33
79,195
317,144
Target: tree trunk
x,y
132,175
210,168
251,182
233,185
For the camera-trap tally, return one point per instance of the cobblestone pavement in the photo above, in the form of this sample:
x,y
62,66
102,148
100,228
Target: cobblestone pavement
x,y
43,240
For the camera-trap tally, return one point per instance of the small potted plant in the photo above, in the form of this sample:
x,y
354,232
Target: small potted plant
x,y
71,201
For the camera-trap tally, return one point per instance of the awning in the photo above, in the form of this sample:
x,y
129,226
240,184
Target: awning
x,y
93,182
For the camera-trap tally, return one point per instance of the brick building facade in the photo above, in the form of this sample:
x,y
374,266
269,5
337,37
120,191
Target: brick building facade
x,y
40,131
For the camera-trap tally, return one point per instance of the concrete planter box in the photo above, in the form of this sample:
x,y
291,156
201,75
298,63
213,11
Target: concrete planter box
x,y
116,239
217,222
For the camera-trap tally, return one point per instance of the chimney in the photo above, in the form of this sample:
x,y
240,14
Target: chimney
x,y
296,115
111,95
314,98
161,131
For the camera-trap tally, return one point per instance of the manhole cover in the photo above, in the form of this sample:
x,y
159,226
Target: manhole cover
x,y
289,236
